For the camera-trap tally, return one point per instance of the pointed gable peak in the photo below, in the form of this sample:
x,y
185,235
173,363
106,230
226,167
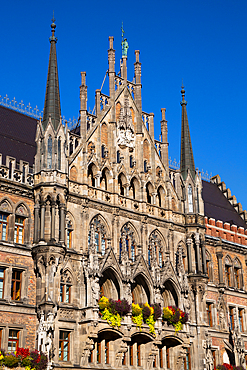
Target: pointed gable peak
x,y
52,97
186,155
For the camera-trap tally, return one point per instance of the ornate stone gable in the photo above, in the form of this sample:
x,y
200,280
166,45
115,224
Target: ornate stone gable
x,y
141,268
110,260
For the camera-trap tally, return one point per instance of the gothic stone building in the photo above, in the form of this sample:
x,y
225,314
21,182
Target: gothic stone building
x,y
99,212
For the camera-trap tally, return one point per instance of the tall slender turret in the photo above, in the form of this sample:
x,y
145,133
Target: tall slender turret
x,y
186,158
52,97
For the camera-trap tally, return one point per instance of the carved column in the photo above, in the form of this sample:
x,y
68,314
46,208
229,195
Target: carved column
x,y
189,242
198,255
62,224
36,223
53,220
42,221
204,259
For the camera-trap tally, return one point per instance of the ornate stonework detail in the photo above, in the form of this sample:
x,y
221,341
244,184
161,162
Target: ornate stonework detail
x,y
208,352
125,129
89,346
66,314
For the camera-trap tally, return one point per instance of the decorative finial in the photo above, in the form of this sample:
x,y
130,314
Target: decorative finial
x,y
53,26
125,45
183,94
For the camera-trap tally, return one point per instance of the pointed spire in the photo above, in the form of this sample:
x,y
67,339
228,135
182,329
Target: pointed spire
x,y
52,97
186,158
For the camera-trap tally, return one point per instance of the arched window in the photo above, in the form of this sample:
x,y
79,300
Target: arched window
x,y
91,177
155,249
209,266
99,235
228,271
132,189
190,198
127,243
59,153
49,152
120,185
237,274
65,287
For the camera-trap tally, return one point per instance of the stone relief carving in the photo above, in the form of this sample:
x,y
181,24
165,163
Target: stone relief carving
x,y
125,129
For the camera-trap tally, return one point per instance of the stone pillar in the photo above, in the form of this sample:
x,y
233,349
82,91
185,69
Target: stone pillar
x,y
97,102
189,243
220,267
151,125
42,221
124,68
154,196
36,223
164,141
111,63
83,106
198,255
62,224
53,221
204,259
138,90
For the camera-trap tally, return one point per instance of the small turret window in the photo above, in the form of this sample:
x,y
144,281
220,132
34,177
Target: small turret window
x,y
190,198
59,153
49,153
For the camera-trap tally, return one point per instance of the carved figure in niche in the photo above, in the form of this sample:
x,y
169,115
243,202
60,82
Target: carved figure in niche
x,y
127,292
208,349
222,319
126,135
158,297
95,288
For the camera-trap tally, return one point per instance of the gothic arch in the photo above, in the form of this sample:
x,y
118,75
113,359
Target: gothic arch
x,y
134,188
110,283
73,173
156,248
104,179
6,205
161,194
170,293
22,209
102,220
149,190
122,183
91,173
99,226
141,289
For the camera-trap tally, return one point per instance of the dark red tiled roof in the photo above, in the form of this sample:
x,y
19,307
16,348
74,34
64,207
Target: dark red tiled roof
x,y
17,135
217,206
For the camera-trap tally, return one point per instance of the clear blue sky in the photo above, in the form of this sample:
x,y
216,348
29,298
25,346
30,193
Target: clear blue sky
x,y
202,42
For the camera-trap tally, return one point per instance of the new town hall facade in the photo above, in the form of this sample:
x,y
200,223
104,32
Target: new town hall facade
x,y
100,213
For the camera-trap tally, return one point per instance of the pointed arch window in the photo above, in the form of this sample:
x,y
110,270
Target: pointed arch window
x,y
127,243
99,235
237,274
59,153
65,287
155,250
190,199
49,152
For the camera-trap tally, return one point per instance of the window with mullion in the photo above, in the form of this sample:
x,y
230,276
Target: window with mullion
x,y
107,351
187,363
13,340
16,285
65,293
3,226
64,345
19,230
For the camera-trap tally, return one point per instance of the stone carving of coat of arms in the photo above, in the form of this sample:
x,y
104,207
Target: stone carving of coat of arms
x,y
125,130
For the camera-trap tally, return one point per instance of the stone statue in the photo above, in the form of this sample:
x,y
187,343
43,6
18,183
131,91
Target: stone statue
x,y
125,47
95,290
